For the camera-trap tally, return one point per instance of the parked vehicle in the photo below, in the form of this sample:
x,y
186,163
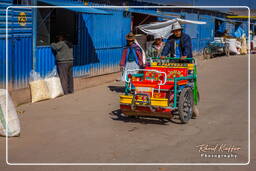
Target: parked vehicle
x,y
163,89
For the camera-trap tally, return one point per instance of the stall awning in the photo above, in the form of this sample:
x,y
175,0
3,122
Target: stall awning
x,y
79,8
150,12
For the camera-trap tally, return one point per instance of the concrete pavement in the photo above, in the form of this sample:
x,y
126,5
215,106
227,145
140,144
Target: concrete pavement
x,y
84,127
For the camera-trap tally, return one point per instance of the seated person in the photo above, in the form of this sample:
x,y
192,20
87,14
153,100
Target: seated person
x,y
178,45
155,48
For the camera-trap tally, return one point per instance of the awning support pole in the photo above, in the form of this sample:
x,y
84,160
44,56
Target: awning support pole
x,y
34,33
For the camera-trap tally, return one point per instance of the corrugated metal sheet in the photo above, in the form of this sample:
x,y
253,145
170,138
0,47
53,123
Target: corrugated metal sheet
x,y
45,60
3,5
100,42
193,30
21,61
206,31
20,46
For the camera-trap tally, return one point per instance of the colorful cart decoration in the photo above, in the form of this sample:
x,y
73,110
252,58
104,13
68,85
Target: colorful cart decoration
x,y
164,88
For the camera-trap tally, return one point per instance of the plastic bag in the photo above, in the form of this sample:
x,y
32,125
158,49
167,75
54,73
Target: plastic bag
x,y
54,85
13,120
38,87
233,46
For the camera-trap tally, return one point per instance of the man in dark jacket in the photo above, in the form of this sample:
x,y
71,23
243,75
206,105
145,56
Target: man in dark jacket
x,y
64,62
179,44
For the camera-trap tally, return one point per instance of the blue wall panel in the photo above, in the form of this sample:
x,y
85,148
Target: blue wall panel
x,y
100,42
193,30
206,31
21,61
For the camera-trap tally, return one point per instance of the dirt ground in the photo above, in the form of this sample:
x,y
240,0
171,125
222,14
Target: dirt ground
x,y
86,127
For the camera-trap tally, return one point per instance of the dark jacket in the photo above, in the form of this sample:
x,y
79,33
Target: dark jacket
x,y
185,43
63,51
137,52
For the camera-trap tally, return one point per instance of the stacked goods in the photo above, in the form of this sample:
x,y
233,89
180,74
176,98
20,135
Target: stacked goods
x,y
38,87
13,120
54,86
43,89
234,45
244,46
39,90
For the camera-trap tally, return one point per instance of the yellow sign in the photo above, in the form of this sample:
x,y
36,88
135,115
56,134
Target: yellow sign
x,y
22,19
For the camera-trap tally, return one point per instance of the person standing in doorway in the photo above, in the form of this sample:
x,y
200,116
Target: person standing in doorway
x,y
64,62
131,57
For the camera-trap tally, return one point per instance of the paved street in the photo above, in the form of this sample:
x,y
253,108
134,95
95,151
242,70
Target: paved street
x,y
86,127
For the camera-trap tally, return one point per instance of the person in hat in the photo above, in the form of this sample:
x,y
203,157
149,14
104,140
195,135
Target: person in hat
x,y
178,45
131,56
155,48
64,62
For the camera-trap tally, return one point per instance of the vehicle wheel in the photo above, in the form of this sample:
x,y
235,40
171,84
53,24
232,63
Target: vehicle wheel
x,y
227,51
186,103
207,53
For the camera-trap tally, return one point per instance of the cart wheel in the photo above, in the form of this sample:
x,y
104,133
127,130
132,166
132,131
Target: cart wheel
x,y
186,103
207,53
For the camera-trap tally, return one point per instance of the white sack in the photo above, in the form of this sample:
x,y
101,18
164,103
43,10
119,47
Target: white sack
x,y
13,120
54,86
38,87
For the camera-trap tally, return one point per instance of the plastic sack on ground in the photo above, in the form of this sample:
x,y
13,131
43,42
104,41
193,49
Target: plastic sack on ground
x,y
13,120
233,46
54,85
38,87
243,46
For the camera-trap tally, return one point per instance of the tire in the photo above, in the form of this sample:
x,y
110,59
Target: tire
x,y
207,53
185,107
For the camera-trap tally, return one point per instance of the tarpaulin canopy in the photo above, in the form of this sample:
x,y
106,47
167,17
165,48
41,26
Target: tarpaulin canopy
x,y
164,28
79,8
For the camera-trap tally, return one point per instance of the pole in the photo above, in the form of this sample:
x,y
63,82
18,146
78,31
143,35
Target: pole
x,y
34,33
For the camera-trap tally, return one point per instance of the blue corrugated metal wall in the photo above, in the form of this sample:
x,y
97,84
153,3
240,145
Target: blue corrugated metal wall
x,y
192,30
45,60
98,51
20,46
100,43
3,5
206,31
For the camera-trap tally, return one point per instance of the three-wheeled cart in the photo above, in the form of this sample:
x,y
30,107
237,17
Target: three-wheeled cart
x,y
164,88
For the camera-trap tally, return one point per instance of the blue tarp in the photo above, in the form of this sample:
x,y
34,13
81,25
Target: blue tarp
x,y
86,9
239,32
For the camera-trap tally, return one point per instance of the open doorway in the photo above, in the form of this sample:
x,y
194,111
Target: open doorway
x,y
54,21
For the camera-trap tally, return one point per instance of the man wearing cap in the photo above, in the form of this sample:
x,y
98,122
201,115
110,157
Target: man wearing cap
x,y
179,44
156,48
132,55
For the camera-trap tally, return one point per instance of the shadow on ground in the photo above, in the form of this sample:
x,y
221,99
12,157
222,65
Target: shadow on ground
x,y
118,89
117,115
